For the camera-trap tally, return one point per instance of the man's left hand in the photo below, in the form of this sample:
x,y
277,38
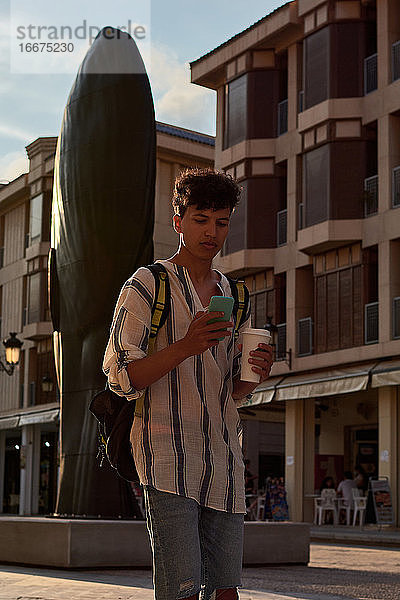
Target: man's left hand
x,y
262,360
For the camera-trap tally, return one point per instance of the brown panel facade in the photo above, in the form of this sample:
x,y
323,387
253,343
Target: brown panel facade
x,y
348,161
346,76
263,98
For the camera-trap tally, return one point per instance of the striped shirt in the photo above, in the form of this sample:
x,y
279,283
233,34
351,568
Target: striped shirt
x,y
187,439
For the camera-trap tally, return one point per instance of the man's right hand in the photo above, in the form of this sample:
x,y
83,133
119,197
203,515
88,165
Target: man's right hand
x,y
201,335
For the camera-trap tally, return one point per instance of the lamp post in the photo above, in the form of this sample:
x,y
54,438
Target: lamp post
x,y
47,383
13,351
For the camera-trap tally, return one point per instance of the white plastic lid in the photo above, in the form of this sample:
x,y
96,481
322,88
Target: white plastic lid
x,y
264,332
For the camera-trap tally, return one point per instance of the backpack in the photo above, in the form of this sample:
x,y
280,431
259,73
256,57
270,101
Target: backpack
x,y
114,413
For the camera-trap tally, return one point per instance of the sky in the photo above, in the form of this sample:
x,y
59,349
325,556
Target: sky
x,y
32,104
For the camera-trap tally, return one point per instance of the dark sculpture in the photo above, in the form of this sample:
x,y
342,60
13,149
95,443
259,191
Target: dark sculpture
x,y
102,231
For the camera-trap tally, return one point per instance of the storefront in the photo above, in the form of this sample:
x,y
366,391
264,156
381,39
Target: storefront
x,y
336,420
29,462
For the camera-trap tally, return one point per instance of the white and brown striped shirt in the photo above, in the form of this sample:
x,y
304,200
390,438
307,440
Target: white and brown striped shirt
x,y
187,440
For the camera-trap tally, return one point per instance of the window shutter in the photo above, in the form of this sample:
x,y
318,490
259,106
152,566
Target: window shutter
x,y
320,314
372,323
332,306
304,340
346,308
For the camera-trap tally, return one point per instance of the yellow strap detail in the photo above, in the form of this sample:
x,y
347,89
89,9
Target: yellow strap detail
x,y
155,325
241,296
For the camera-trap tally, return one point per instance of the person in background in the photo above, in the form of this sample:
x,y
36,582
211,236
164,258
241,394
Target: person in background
x,y
346,486
327,483
361,478
249,477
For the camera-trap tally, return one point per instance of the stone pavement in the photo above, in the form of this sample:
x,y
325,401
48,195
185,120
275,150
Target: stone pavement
x,y
334,573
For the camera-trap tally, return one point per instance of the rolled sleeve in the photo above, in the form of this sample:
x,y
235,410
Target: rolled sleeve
x,y
129,333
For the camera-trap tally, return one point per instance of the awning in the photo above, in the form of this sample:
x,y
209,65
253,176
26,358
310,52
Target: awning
x,y
386,373
9,423
324,383
44,416
264,393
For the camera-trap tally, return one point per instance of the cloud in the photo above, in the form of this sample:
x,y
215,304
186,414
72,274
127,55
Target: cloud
x,y
178,101
16,133
12,165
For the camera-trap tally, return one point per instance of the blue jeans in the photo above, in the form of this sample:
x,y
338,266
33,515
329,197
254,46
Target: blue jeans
x,y
195,548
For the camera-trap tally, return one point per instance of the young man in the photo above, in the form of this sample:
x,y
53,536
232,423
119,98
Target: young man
x,y
185,440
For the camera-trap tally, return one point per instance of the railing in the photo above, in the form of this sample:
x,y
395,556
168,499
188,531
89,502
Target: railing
x,y
370,196
396,318
396,187
301,101
280,351
396,61
370,74
371,323
304,337
300,224
282,117
281,224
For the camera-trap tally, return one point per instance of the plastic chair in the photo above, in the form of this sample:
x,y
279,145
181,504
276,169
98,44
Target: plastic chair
x,y
326,503
360,506
260,508
347,506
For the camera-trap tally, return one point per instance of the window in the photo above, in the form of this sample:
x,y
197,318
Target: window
x,y
34,298
35,219
235,111
316,67
316,185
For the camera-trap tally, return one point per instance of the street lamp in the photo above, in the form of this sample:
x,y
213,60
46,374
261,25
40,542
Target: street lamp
x,y
47,383
13,352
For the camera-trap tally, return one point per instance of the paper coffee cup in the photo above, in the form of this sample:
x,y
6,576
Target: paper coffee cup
x,y
250,340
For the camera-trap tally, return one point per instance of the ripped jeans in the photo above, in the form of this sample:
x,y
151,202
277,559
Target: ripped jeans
x,y
195,548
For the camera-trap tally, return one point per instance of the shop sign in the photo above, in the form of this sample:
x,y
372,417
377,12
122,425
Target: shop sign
x,y
382,497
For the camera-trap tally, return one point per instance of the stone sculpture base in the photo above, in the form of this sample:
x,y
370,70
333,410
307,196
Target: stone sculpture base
x,y
79,543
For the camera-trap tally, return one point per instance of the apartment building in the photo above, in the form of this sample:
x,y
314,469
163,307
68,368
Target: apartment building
x,y
308,120
29,400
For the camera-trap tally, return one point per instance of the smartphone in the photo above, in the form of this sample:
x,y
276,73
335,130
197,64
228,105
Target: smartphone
x,y
221,304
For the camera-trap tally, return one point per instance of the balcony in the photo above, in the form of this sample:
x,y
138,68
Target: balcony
x,y
370,74
281,225
37,331
329,234
283,117
371,323
370,196
396,61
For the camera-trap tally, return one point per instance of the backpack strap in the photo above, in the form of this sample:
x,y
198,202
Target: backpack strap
x,y
162,301
159,313
240,294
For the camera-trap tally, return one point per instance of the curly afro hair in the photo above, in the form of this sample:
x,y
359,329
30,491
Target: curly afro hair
x,y
206,189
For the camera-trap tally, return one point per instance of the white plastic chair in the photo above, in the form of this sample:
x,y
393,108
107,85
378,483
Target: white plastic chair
x,y
327,503
260,508
360,506
347,506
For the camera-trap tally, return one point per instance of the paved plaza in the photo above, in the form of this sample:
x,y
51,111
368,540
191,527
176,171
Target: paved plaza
x,y
334,572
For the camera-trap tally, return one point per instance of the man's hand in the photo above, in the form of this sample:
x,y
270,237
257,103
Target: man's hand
x,y
201,336
261,359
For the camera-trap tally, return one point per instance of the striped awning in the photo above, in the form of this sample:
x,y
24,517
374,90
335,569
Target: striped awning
x,y
386,372
312,385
